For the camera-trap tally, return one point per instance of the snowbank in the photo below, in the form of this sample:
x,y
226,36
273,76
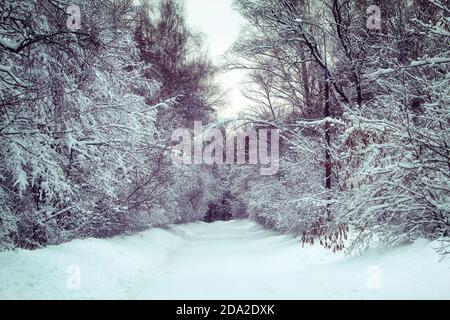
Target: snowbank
x,y
107,268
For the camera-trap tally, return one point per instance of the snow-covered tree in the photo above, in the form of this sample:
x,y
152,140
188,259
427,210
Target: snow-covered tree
x,y
82,150
374,102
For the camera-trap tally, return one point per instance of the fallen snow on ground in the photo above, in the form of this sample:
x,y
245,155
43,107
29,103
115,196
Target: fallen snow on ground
x,y
222,260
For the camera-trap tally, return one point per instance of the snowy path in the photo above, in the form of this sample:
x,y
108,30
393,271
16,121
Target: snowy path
x,y
222,260
240,260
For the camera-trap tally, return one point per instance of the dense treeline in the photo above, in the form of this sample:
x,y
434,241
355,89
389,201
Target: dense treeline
x,y
86,114
364,111
86,117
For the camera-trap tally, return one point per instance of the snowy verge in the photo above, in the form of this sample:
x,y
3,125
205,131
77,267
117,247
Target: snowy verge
x,y
87,268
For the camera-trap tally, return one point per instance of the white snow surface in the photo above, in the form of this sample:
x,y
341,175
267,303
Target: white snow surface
x,y
236,259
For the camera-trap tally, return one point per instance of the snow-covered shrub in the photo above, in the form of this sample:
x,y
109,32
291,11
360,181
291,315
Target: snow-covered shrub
x,y
397,181
83,147
379,123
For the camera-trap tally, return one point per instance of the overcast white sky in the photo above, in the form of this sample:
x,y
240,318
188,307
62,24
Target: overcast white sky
x,y
221,25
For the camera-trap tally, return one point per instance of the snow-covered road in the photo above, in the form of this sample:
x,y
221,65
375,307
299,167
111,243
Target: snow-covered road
x,y
222,260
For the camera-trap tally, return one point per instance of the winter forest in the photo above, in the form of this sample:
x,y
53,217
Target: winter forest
x,y
358,91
